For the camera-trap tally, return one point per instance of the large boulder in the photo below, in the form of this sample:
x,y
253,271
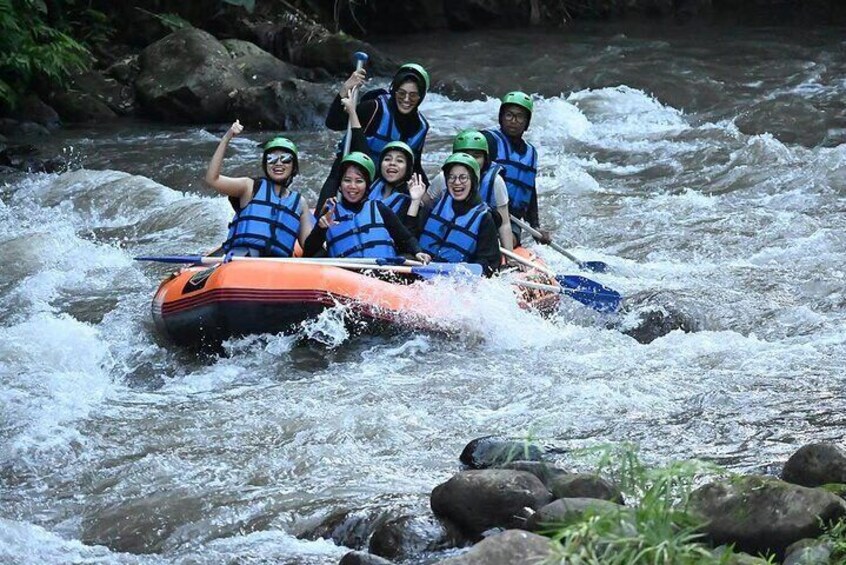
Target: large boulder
x,y
809,552
408,536
33,109
567,511
541,469
762,514
334,53
506,548
816,464
491,451
476,501
81,107
257,66
188,76
289,104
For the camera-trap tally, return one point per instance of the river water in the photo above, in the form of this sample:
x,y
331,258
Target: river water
x,y
707,167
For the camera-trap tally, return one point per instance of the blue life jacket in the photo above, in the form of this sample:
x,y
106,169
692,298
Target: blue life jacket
x,y
386,131
520,172
486,185
269,223
361,234
450,238
395,200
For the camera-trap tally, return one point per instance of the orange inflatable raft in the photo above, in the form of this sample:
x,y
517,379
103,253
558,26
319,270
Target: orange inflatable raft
x,y
203,306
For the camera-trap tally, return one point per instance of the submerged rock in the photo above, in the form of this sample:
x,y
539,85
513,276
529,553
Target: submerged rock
x,y
491,451
762,514
815,465
648,316
408,536
507,548
476,501
362,558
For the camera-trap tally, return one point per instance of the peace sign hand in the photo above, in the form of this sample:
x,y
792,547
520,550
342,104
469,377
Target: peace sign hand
x,y
326,220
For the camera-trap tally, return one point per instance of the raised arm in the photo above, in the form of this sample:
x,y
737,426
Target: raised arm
x,y
236,187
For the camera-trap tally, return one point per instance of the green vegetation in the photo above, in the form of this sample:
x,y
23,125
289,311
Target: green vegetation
x,y
654,529
32,51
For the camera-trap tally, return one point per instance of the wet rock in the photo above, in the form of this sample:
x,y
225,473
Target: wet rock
x,y
33,109
257,66
506,548
107,90
790,118
290,104
582,485
350,528
125,70
568,511
648,316
491,451
408,536
458,89
25,158
762,514
187,77
541,469
362,558
80,107
334,54
809,552
476,501
816,464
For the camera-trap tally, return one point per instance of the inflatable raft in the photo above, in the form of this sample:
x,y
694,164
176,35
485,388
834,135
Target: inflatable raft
x,y
201,306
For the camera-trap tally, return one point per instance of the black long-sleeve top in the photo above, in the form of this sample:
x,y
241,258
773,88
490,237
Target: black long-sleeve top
x,y
487,247
532,216
404,240
370,114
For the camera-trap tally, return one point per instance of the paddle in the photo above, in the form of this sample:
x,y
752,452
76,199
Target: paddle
x,y
595,266
588,292
360,58
426,271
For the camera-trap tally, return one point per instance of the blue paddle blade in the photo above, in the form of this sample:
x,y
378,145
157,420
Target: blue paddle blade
x,y
448,269
590,293
391,261
181,259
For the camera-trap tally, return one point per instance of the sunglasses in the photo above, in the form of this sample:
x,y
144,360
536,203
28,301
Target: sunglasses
x,y
281,158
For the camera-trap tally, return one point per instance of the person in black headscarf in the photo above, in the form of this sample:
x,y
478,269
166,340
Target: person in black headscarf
x,y
459,228
386,116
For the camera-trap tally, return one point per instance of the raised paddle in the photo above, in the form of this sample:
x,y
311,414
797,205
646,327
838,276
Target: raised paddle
x,y
588,292
595,266
360,58
426,271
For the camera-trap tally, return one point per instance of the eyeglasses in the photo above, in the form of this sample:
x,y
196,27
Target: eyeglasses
x,y
512,117
410,96
281,158
458,179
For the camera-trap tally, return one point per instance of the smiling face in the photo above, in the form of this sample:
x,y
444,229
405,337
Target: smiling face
x,y
394,167
459,182
513,120
407,97
279,165
353,184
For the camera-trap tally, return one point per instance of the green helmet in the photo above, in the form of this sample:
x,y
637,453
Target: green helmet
x,y
400,146
519,99
286,145
463,159
470,140
364,161
417,70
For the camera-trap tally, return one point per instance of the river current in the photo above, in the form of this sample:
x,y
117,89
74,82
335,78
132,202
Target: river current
x,y
707,167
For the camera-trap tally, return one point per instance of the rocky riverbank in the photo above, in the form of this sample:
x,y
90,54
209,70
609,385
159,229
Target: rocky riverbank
x,y
509,500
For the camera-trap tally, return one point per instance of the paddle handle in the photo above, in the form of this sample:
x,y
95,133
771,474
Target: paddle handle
x,y
360,59
526,262
538,286
535,233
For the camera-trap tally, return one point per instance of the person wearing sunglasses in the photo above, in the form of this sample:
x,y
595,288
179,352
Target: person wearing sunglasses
x,y
269,217
387,115
460,228
492,187
353,226
519,158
